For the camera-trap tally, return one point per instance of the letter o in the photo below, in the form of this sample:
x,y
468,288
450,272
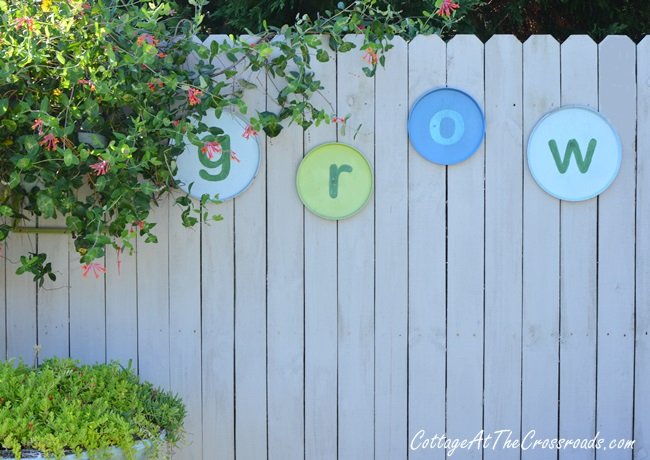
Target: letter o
x,y
435,127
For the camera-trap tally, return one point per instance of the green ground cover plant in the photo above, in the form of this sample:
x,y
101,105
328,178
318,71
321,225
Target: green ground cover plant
x,y
62,407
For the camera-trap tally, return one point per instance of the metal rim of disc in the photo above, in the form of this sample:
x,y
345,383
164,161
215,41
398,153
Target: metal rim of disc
x,y
315,151
466,95
592,111
236,116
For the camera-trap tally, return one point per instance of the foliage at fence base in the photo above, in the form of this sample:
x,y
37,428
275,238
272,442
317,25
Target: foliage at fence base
x,y
63,407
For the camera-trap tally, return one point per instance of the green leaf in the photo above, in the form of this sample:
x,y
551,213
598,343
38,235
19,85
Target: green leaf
x,y
10,125
23,163
59,57
70,158
4,105
346,46
322,55
45,204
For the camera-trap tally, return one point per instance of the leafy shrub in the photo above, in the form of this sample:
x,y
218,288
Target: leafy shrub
x,y
97,101
63,407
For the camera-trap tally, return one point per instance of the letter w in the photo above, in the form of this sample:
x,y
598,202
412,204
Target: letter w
x,y
573,148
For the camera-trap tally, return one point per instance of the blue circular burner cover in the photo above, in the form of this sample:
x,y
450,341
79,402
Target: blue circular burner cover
x,y
446,126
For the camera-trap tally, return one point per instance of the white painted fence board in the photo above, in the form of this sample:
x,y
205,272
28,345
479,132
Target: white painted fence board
x,y
541,259
153,300
3,301
408,327
503,240
616,250
465,250
218,338
356,352
250,307
185,326
578,262
427,271
21,300
122,305
391,256
87,312
642,352
285,291
321,309
53,307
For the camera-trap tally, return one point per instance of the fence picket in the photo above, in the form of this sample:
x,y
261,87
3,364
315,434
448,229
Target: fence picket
x,y
541,263
356,326
642,351
503,242
391,251
285,292
616,250
53,300
578,262
321,309
427,271
465,250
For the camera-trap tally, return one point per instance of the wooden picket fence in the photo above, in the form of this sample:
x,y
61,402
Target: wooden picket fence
x,y
461,299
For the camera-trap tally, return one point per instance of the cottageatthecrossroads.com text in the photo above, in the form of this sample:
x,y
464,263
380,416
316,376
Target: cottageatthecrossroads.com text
x,y
508,439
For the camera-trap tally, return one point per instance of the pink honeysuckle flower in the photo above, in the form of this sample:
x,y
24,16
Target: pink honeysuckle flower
x,y
447,7
38,126
88,83
97,269
370,56
193,96
119,260
100,167
210,149
49,142
176,123
340,120
248,132
233,156
148,38
25,22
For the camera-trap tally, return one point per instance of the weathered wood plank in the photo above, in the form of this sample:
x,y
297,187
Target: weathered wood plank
x,y
356,351
185,326
465,250
285,291
541,264
391,256
503,241
321,310
153,300
3,300
427,270
616,250
218,333
53,301
87,311
21,300
122,306
642,352
250,305
578,262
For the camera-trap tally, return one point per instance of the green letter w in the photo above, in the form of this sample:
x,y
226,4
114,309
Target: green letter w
x,y
573,148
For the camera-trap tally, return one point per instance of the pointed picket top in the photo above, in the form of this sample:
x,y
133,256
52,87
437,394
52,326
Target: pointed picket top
x,y
622,41
535,41
645,42
423,41
465,40
502,39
